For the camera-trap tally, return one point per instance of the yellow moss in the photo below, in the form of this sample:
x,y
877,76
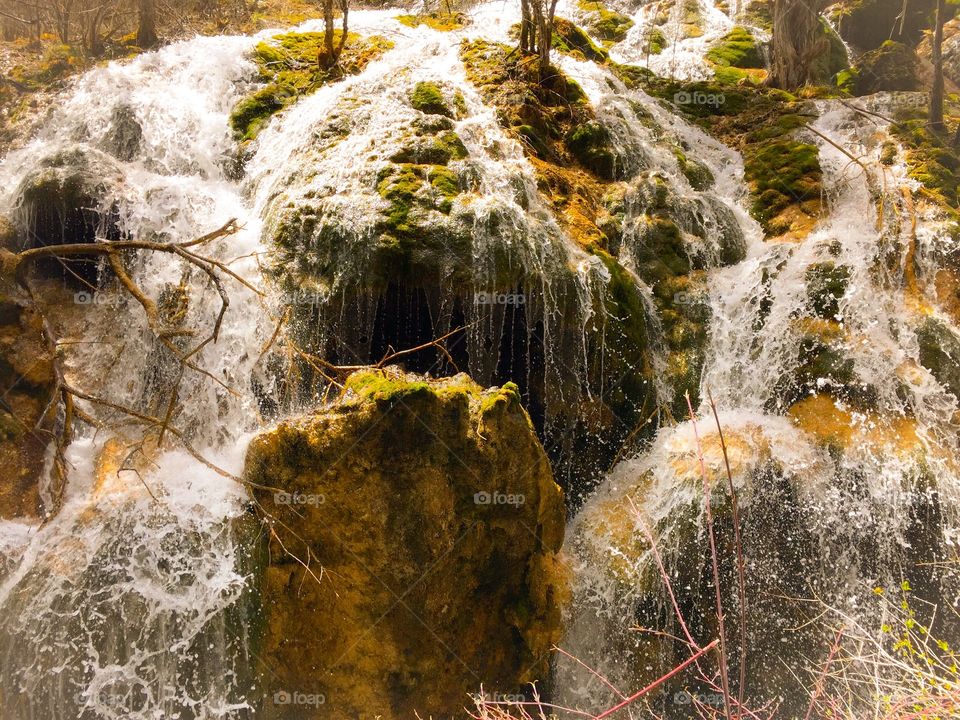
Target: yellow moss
x,y
443,22
824,418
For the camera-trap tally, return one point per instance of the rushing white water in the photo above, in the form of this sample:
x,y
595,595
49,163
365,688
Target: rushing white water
x,y
134,600
127,603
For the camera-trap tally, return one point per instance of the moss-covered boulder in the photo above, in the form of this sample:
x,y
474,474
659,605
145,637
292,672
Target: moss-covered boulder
x,y
867,24
431,525
738,49
606,24
940,353
69,198
892,66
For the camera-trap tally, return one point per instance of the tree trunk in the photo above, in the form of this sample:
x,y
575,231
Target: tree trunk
x,y
527,30
798,39
147,24
936,56
328,33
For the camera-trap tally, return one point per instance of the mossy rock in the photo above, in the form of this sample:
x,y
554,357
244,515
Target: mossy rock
x,y
427,97
291,65
400,474
782,172
940,353
867,24
931,159
591,144
443,22
570,39
654,41
892,66
828,65
738,49
826,284
608,25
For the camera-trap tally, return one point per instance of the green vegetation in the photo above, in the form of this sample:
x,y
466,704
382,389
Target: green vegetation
x,y
892,66
553,118
738,49
826,285
443,22
570,39
931,159
428,98
656,42
289,66
609,26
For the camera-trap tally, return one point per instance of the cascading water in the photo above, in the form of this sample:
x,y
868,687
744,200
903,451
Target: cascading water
x,y
129,602
135,599
869,515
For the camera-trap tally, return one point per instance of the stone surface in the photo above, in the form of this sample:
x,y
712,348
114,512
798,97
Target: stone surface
x,y
431,525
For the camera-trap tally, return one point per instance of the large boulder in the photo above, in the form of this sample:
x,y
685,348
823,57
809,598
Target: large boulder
x,y
68,198
413,551
892,66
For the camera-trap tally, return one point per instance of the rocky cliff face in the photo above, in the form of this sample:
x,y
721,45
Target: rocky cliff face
x,y
397,513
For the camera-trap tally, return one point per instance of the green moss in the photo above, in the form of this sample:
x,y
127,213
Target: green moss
x,y
570,39
291,66
738,49
931,159
656,42
697,174
251,113
782,172
438,149
940,353
375,386
826,285
590,143
610,26
892,66
551,116
428,98
444,22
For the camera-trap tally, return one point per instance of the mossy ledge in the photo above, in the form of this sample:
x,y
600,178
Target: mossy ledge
x,y
782,169
290,66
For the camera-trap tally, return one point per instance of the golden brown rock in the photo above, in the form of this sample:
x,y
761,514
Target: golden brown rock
x,y
430,522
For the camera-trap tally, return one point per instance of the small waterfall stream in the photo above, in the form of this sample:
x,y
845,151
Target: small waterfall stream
x,y
134,600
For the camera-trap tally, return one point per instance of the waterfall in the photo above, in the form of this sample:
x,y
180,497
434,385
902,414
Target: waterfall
x,y
137,597
129,602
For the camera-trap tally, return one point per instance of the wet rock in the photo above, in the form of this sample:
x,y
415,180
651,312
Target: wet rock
x,y
892,66
66,200
26,388
940,353
868,24
431,523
